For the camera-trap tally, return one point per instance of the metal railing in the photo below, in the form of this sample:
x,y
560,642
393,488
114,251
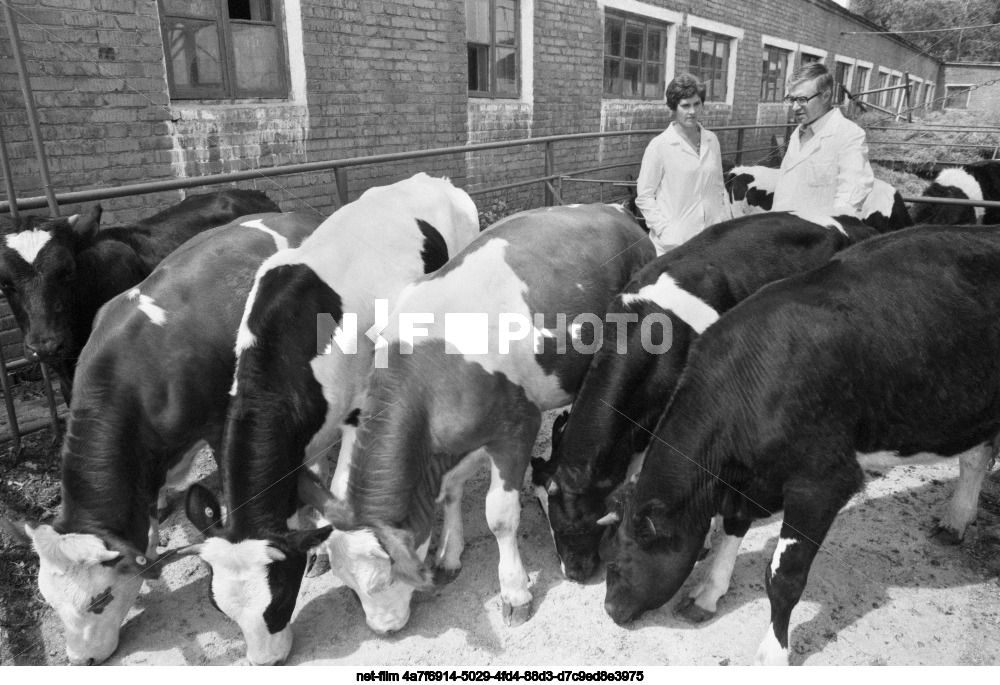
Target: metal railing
x,y
553,192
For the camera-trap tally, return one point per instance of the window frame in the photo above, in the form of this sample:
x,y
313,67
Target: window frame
x,y
850,65
782,77
881,98
229,90
648,24
491,48
699,72
960,87
864,70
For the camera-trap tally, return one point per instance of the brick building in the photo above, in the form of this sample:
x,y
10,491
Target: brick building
x,y
143,90
973,86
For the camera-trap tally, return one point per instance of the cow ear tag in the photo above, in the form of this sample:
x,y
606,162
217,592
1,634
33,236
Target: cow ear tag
x,y
141,560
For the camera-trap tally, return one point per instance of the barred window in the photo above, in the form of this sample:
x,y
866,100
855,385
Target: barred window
x,y
634,57
222,49
710,62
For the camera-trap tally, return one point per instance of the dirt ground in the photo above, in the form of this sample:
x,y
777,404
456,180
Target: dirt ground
x,y
880,594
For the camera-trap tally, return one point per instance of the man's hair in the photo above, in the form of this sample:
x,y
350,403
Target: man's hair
x,y
808,72
684,86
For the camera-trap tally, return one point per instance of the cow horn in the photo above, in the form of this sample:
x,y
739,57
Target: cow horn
x,y
609,519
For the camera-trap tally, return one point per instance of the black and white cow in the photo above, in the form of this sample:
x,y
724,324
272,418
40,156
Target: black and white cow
x,y
474,354
151,383
889,348
56,274
751,191
304,347
626,390
977,181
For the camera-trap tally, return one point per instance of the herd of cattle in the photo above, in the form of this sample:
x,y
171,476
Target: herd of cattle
x,y
792,350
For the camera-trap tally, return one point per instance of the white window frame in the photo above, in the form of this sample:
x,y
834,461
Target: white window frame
x,y
957,85
735,36
672,19
868,77
851,64
790,48
929,96
915,85
815,52
879,96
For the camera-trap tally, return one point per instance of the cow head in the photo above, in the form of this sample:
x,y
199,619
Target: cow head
x,y
91,582
255,582
573,519
360,561
378,563
648,555
952,215
38,275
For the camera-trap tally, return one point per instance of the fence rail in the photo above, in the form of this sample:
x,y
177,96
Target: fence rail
x,y
341,183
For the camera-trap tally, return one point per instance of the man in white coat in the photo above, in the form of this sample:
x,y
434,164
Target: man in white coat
x,y
825,169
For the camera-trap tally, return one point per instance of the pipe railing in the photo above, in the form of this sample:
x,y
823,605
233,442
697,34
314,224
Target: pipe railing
x,y
340,168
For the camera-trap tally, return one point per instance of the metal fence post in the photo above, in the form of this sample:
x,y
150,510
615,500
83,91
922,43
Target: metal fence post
x,y
550,164
739,145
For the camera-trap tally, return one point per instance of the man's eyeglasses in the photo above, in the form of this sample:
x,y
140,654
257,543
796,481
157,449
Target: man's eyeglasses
x,y
800,101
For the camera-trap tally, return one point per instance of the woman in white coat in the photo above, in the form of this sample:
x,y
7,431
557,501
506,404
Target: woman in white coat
x,y
680,189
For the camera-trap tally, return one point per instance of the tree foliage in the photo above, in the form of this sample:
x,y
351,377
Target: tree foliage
x,y
967,45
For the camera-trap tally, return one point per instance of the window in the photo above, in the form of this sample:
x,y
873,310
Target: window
x,y
841,80
634,57
957,97
809,59
895,95
219,49
883,82
860,80
710,62
491,29
929,96
772,78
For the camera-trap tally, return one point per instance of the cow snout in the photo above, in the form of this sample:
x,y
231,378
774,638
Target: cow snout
x,y
41,349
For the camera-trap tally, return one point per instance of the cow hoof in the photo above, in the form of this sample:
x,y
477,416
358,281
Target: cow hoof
x,y
516,616
444,576
162,514
943,535
692,613
317,563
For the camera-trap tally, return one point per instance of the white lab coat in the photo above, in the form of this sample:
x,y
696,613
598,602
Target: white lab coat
x,y
680,192
830,174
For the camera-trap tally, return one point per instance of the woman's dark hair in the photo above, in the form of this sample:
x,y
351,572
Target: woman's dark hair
x,y
684,86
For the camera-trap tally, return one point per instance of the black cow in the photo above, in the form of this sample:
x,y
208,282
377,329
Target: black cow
x,y
56,274
892,347
626,390
978,181
152,381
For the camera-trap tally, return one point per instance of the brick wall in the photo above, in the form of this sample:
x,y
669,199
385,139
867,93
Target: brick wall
x,y
985,99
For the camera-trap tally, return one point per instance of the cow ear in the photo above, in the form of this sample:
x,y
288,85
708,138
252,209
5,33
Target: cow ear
x,y
86,225
405,564
203,510
305,540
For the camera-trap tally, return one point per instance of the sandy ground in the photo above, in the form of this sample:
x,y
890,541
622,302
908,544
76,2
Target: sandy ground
x,y
880,594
